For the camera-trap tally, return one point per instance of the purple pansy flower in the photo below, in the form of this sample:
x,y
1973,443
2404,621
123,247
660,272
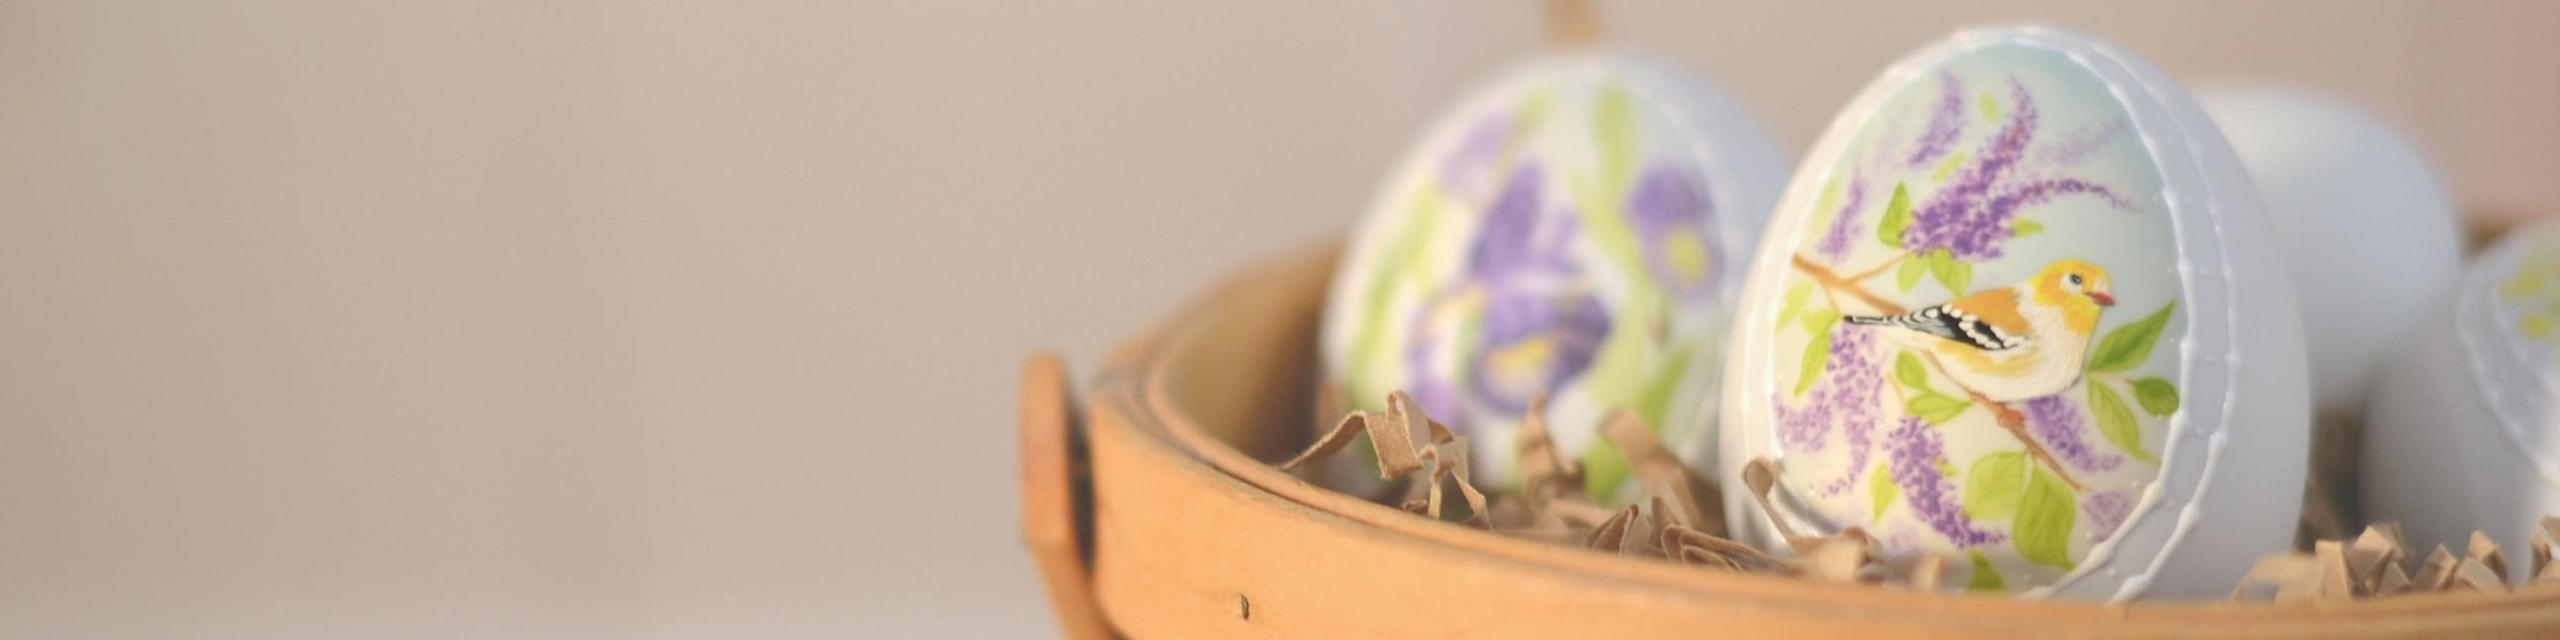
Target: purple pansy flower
x,y
1670,214
2053,420
1915,450
1467,171
1541,324
1969,217
1845,395
1534,341
1506,241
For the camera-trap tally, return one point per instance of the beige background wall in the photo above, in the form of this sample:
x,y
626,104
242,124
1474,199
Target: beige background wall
x,y
624,319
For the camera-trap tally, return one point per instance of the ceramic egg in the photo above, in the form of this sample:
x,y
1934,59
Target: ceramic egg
x,y
2464,429
2020,308
2368,231
1574,229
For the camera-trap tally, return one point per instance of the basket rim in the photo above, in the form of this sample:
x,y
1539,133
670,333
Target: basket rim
x,y
1137,382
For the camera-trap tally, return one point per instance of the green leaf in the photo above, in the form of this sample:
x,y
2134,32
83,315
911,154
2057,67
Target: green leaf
x,y
1619,372
2116,421
2157,396
2022,228
1603,470
1906,368
1948,167
1954,275
1653,400
1534,108
1796,298
1613,128
1908,275
1604,222
1992,489
1936,408
1985,580
1990,108
1820,321
1882,491
2046,514
1897,218
1817,354
1421,214
1828,207
2127,346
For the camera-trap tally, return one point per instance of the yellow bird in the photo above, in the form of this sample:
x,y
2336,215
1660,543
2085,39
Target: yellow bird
x,y
2012,343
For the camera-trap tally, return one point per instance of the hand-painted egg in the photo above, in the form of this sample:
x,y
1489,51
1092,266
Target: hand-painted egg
x,y
2464,429
1575,229
2020,307
2369,234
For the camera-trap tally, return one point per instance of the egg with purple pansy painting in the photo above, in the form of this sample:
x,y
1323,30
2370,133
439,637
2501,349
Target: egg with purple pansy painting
x,y
2019,309
1574,230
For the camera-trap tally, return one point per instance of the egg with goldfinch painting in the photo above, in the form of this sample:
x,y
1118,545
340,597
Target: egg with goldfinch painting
x,y
1574,230
2020,309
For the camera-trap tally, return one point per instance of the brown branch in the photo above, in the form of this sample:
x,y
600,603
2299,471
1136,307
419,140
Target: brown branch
x,y
1832,281
1888,263
2016,424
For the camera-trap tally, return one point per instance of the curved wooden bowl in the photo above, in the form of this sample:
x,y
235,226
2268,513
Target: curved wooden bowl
x,y
1192,534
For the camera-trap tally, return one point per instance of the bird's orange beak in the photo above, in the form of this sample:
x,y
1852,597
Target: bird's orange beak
x,y
2104,299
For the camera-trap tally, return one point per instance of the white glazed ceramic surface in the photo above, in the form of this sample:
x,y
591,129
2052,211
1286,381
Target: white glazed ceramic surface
x,y
1575,228
2093,238
2370,235
2461,435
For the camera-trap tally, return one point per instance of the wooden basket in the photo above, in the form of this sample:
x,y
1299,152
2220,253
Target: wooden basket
x,y
1154,513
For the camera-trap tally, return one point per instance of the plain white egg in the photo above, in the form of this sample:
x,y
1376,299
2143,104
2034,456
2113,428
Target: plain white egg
x,y
2464,430
2371,236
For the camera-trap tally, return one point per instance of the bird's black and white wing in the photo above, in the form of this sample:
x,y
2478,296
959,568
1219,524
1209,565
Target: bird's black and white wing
x,y
1947,321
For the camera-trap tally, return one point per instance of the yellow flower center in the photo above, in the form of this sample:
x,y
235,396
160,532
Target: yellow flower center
x,y
1685,254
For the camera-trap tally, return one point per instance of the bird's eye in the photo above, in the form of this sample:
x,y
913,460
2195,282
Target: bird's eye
x,y
2075,279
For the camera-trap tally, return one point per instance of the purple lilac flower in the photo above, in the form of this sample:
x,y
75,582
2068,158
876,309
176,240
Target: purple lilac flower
x,y
1670,214
2106,512
1806,429
2069,151
1970,216
1844,395
1915,448
1844,223
1901,541
2029,193
2053,420
1946,122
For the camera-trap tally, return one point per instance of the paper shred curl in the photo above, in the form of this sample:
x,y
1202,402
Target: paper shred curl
x,y
1679,519
2377,564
